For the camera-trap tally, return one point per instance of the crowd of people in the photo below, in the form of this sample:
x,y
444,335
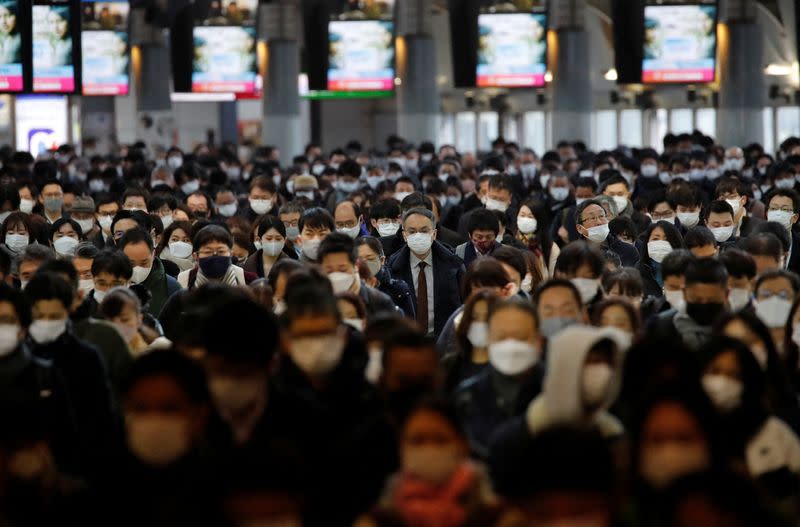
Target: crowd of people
x,y
414,336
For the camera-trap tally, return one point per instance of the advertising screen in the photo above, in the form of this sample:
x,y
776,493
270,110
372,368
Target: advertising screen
x,y
104,47
224,59
680,43
54,35
361,55
231,13
11,79
41,122
512,50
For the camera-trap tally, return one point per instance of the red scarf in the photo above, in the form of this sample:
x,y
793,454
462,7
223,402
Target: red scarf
x,y
423,504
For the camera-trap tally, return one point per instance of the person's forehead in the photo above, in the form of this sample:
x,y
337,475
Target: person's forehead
x,y
196,198
136,248
779,282
592,209
556,294
344,210
213,244
781,201
418,220
335,259
664,205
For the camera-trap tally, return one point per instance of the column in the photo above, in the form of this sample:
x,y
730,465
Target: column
x,y
98,122
418,96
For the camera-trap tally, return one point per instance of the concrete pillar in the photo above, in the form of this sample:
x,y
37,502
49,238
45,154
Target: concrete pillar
x,y
417,95
228,122
572,86
98,122
742,90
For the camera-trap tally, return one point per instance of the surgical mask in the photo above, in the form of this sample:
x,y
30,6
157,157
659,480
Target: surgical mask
x,y
712,173
4,215
106,221
190,186
781,216
526,225
722,234
543,179
234,394
785,183
125,330
99,295
180,249
696,174
658,250
318,169
478,334
528,170
724,392
16,242
735,205
596,380
681,175
85,225
663,464
47,331
292,232
434,464
374,367
587,287
774,311
175,162
621,202
347,186
453,200
317,356
85,285
689,219
559,193
738,298
261,206
352,232
341,282
96,185
374,181
228,210
598,233
400,196
311,248
734,164
157,439
9,338
511,356
676,300
26,205
140,273
272,248
374,266
355,323
53,204
496,204
388,229
664,177
420,243
649,170
551,326
65,246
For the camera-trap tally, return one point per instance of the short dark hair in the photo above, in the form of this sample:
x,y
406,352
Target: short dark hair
x,y
762,244
483,220
623,226
385,208
615,178
675,263
706,271
719,207
186,373
502,182
628,279
270,222
516,303
483,272
61,267
238,317
776,273
137,235
699,236
786,193
578,253
334,243
49,286
112,262
16,298
60,223
582,207
775,229
596,314
738,263
316,218
553,283
212,233
371,242
512,257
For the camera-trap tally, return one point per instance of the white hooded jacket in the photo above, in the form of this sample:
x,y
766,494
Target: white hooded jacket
x,y
561,401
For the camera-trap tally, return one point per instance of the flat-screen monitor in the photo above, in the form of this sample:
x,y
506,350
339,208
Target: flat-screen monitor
x,y
224,59
104,47
361,56
11,79
512,50
680,43
56,49
231,13
40,122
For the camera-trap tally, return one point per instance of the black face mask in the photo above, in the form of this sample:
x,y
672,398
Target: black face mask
x,y
705,314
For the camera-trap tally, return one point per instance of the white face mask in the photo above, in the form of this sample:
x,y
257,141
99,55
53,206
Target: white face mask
x,y
724,392
400,196
47,331
782,217
190,186
478,334
512,357
738,298
621,202
86,285
420,243
431,463
598,233
388,229
676,300
106,221
65,246
140,274
596,381
310,248
773,311
689,219
587,287
663,464
234,394
785,183
722,234
658,250
526,225
26,205
649,170
16,242
341,282
180,249
352,232
157,440
261,206
374,367
85,225
527,283
317,356
272,248
496,204
9,338
735,205
227,211
559,193
99,295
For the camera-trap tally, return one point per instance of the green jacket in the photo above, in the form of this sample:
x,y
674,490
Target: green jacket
x,y
161,286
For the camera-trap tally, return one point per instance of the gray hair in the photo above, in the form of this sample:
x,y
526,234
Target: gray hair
x,y
421,211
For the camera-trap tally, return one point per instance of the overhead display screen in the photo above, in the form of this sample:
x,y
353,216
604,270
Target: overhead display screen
x,y
680,43
225,59
512,50
11,79
56,35
361,55
41,123
104,47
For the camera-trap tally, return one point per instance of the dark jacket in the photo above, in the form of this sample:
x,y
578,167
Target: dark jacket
x,y
463,222
749,225
794,254
255,262
161,286
448,270
99,240
467,249
375,301
115,351
648,272
482,409
627,253
392,244
397,290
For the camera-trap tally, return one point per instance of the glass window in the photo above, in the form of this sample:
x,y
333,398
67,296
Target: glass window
x,y
487,130
658,126
510,128
707,121
534,128
769,138
630,127
681,121
788,123
604,130
447,129
465,131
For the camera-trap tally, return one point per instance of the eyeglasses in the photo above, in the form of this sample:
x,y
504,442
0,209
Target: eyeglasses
x,y
206,253
782,209
595,219
662,215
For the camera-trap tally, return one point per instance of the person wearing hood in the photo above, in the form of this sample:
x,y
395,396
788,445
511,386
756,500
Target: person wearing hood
x,y
736,385
513,378
328,410
706,299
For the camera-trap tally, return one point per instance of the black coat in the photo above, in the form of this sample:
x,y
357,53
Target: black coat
x,y
794,254
375,301
448,271
398,291
648,272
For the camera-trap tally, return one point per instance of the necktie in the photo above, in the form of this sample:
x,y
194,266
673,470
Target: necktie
x,y
422,299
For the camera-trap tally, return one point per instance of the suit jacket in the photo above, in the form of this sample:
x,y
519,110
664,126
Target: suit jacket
x,y
448,270
794,254
450,239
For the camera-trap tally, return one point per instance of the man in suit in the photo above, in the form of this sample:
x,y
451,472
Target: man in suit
x,y
431,271
783,206
393,243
